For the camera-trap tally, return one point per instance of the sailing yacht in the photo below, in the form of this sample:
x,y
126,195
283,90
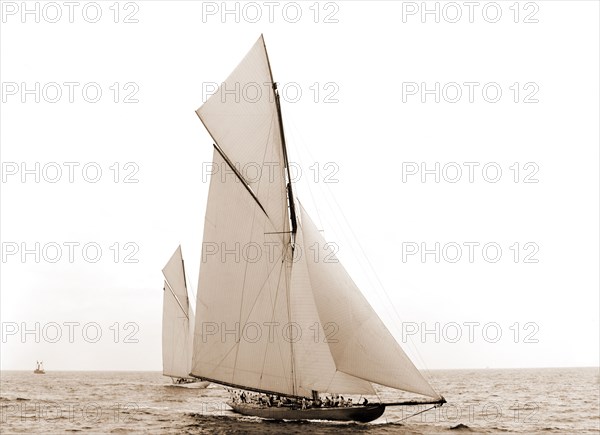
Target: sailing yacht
x,y
39,369
264,307
178,324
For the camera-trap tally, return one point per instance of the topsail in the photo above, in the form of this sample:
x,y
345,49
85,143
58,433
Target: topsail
x,y
243,121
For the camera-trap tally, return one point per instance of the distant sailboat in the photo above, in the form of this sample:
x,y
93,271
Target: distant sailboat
x,y
178,323
246,303
39,369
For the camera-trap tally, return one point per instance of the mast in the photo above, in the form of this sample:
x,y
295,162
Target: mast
x,y
287,165
292,358
291,205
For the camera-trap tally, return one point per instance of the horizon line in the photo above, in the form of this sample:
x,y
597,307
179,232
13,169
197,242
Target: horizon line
x,y
423,370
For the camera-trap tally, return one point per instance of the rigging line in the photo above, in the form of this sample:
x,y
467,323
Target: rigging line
x,y
377,393
191,288
243,179
176,298
283,205
288,289
263,286
290,198
225,157
242,387
314,302
320,323
290,119
381,286
244,284
308,184
185,281
368,276
290,194
290,190
264,158
373,272
272,318
307,150
240,177
277,116
420,412
235,345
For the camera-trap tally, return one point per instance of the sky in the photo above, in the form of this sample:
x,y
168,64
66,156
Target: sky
x,y
451,154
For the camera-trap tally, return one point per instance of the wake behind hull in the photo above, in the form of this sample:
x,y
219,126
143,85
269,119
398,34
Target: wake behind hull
x,y
359,413
197,384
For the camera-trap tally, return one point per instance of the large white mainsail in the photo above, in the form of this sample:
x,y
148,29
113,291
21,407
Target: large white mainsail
x,y
241,290
178,320
251,286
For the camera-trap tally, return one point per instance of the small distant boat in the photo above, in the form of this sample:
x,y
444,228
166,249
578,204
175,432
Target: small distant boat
x,y
178,324
246,307
39,370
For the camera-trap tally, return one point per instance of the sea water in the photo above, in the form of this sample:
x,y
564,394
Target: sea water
x,y
524,401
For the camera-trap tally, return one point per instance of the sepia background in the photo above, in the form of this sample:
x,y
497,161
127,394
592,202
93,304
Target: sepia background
x,y
382,104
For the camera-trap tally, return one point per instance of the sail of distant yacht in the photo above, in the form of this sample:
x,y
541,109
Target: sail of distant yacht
x,y
178,322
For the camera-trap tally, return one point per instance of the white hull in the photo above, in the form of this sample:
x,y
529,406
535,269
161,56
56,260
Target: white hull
x,y
190,383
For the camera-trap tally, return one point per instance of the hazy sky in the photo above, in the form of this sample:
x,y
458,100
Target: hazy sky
x,y
512,139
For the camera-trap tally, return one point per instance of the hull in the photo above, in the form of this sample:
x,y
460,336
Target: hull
x,y
359,413
39,372
191,382
197,384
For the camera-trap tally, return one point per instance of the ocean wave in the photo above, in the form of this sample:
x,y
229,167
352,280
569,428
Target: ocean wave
x,y
461,427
